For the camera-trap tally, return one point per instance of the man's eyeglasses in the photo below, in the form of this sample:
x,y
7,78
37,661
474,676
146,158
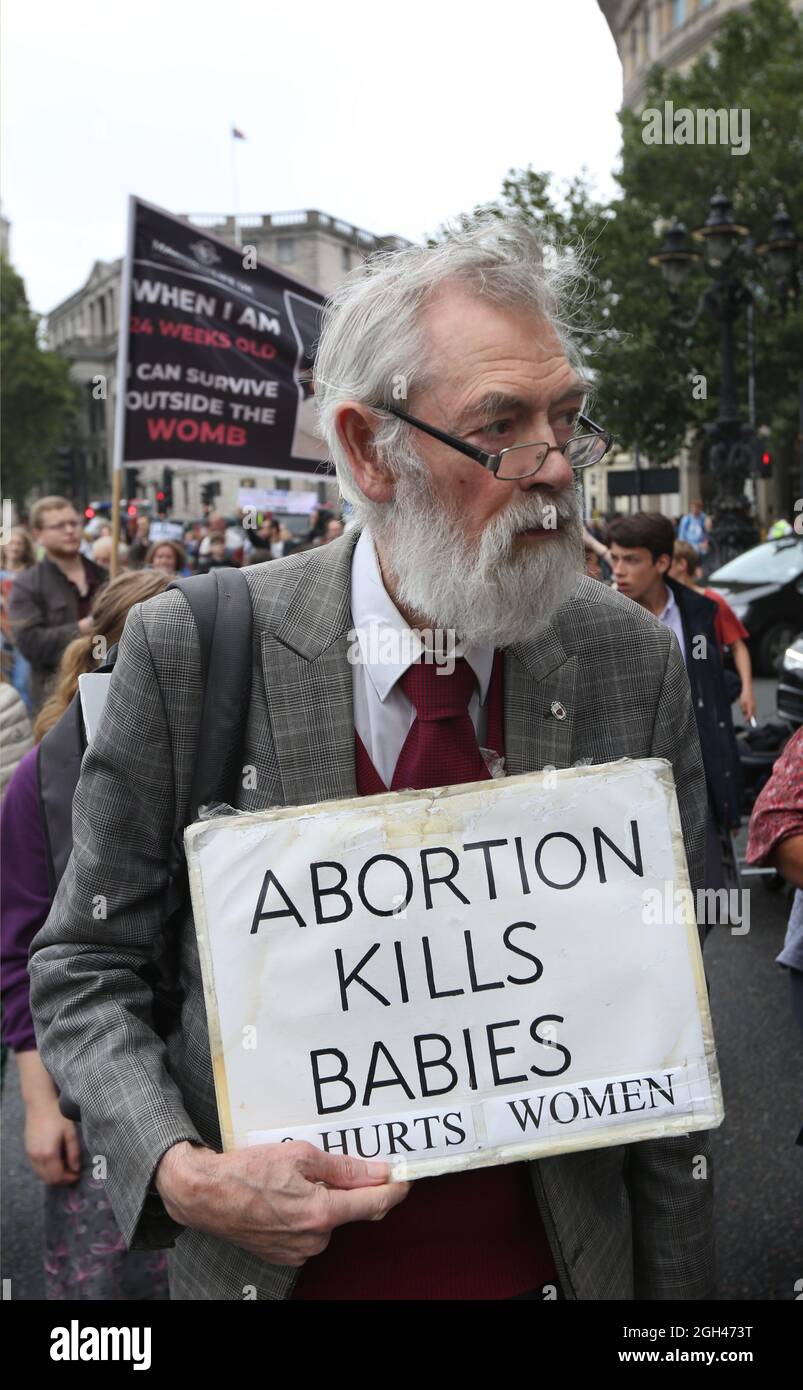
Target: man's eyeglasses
x,y
582,450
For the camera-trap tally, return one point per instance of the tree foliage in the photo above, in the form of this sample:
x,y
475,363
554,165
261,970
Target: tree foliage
x,y
39,400
643,363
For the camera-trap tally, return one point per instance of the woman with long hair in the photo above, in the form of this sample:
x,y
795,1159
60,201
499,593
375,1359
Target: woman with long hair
x,y
169,557
17,555
85,1254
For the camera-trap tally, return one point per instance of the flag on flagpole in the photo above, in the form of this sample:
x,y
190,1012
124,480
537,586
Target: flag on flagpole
x,y
236,134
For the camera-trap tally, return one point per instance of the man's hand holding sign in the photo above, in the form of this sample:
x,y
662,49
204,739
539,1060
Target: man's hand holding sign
x,y
280,1201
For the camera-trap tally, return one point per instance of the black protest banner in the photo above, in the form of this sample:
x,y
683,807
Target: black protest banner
x,y
217,351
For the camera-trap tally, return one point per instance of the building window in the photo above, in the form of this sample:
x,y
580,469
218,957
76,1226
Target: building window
x,y
678,13
345,257
186,489
282,484
285,250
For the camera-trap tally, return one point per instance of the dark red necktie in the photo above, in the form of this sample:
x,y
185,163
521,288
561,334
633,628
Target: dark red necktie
x,y
441,748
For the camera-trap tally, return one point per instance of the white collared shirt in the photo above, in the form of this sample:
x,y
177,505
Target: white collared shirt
x,y
382,647
670,617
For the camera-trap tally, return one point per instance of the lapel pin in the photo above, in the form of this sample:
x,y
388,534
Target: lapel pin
x,y
557,710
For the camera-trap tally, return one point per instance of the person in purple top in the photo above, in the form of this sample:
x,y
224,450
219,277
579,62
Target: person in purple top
x,y
85,1255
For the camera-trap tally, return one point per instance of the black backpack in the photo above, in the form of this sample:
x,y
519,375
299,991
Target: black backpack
x,y
221,606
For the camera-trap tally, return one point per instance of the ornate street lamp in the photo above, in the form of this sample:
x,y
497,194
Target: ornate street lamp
x,y
781,251
720,233
675,257
730,438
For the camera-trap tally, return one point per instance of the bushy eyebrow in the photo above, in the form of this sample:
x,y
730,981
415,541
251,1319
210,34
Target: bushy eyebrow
x,y
488,407
495,403
579,387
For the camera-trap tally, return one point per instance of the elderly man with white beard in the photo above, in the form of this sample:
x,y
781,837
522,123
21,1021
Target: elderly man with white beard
x,y
453,403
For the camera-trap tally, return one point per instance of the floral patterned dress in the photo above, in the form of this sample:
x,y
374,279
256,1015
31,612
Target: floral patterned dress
x,y
85,1254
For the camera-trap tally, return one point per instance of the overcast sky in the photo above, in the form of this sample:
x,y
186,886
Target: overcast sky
x,y
390,116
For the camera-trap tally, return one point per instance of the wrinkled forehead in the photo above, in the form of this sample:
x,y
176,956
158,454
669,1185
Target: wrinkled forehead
x,y
471,341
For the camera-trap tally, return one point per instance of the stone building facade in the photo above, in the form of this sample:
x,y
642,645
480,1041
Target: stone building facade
x,y
670,32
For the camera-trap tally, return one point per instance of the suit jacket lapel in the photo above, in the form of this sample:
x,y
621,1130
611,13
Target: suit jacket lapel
x,y
539,675
308,682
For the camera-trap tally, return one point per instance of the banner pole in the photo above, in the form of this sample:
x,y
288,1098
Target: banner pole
x,y
238,240
118,459
117,476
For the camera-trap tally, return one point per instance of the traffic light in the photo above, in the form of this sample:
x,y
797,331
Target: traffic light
x,y
65,471
209,492
161,505
762,458
167,489
131,483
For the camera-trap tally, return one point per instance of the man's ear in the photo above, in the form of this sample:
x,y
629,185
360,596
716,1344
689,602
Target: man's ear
x,y
356,425
663,564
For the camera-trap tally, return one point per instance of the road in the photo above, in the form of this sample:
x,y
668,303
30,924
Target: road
x,y
757,1165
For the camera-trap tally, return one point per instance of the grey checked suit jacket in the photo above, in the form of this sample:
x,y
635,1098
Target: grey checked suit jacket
x,y
623,1222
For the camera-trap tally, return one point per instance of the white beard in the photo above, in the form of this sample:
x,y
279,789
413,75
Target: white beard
x,y
494,591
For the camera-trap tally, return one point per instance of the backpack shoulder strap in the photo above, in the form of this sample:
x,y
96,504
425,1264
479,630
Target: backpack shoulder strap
x,y
58,769
221,606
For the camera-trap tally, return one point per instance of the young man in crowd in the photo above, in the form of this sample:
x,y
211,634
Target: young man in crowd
x,y
642,551
216,557
50,602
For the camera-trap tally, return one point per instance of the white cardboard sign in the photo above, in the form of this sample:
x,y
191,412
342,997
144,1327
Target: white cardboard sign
x,y
457,977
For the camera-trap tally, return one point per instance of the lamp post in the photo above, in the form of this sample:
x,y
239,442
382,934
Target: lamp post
x,y
730,437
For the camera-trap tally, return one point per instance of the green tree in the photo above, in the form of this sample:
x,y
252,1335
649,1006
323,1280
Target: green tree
x,y
39,400
644,363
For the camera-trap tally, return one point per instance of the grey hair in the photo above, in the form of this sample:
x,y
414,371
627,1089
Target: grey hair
x,y
372,347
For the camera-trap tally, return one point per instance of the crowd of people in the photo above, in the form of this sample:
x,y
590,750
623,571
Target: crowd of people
x,y
51,569
548,654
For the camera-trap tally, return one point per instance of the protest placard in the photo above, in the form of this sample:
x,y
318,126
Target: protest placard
x,y
263,499
165,531
450,978
216,350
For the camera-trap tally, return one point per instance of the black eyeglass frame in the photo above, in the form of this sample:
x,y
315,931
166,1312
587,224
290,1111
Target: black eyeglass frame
x,y
493,462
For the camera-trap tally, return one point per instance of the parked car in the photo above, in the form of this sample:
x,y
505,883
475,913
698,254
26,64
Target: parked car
x,y
790,684
764,587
